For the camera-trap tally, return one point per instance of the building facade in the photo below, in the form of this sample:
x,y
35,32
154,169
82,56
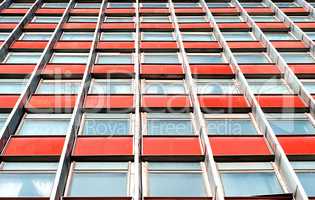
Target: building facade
x,y
176,100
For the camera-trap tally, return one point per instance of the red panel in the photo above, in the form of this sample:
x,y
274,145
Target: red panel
x,y
277,26
35,45
289,45
118,26
254,11
300,69
299,10
298,145
66,70
153,11
239,26
223,101
16,69
77,45
210,46
57,101
125,46
125,11
112,69
154,101
34,146
224,11
158,26
158,45
108,102
38,26
161,69
260,69
195,26
306,25
244,46
224,69
189,11
80,26
7,26
103,146
8,101
15,11
50,11
171,146
281,101
82,11
242,146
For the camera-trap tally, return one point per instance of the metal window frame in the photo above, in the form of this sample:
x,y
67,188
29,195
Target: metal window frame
x,y
45,5
119,17
67,55
109,81
70,81
110,4
144,19
76,33
144,83
156,33
132,55
79,17
79,5
218,82
160,54
46,17
34,33
117,33
22,54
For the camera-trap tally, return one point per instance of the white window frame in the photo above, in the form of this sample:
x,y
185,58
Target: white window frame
x,y
79,33
26,5
106,17
251,34
256,53
21,53
80,17
297,53
91,3
100,54
172,33
161,54
45,5
148,81
166,17
209,54
269,82
16,80
211,34
70,81
196,3
155,3
192,17
291,116
109,5
35,33
46,17
219,81
67,54
239,17
289,33
130,81
228,4
117,33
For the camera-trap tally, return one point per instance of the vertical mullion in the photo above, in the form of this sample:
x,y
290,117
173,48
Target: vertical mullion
x,y
5,4
213,174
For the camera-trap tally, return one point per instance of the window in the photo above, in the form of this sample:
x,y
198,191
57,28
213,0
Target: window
x,y
286,4
186,5
106,124
312,4
249,179
44,124
111,86
163,87
160,58
280,36
311,35
10,19
107,58
205,58
46,19
83,19
58,87
191,19
55,5
302,18
3,119
75,58
309,85
265,18
219,19
253,5
169,124
158,36
27,179
197,36
12,86
217,86
269,86
77,36
165,179
35,36
298,57
154,5
291,124
156,19
21,5
120,5
101,176
113,36
306,173
251,58
29,58
4,36
87,5
119,19
219,5
238,36
231,124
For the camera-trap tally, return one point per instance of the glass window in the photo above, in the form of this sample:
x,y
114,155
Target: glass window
x,y
154,5
83,19
268,86
265,18
309,85
219,5
302,18
99,175
4,36
118,19
106,124
253,5
158,36
286,4
58,87
29,58
298,57
186,5
21,5
219,19
87,5
10,19
290,124
122,36
44,124
205,58
160,58
189,19
55,5
217,86
238,36
306,173
155,19
231,124
35,36
19,179
279,36
164,87
197,36
169,124
111,86
103,58
77,36
120,5
251,58
46,19
76,58
311,35
312,4
12,86
3,118
170,181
